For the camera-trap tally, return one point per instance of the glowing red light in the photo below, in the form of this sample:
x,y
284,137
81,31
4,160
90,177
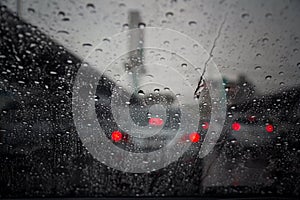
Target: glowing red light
x,y
205,125
236,126
269,128
155,121
116,136
194,137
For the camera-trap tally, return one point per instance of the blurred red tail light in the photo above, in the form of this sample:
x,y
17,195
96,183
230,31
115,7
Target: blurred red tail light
x,y
236,126
194,137
116,136
269,128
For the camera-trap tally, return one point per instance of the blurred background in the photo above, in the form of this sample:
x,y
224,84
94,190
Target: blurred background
x,y
255,46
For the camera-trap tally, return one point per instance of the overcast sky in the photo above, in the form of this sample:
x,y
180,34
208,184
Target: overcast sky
x,y
259,38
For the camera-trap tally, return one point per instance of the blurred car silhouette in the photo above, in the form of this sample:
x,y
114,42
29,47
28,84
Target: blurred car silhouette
x,y
263,120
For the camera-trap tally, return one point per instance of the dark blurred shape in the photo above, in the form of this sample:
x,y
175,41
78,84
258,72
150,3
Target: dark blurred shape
x,y
40,151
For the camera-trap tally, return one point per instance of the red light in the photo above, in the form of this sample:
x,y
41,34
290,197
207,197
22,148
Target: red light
x,y
269,128
236,126
205,125
156,121
116,136
194,137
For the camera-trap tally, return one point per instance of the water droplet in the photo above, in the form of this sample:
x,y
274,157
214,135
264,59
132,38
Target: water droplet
x,y
126,26
166,42
167,89
141,25
87,45
149,76
269,15
65,19
141,93
298,64
90,6
280,73
281,83
106,40
268,77
198,69
192,23
265,40
169,14
295,50
245,15
61,14
183,65
257,68
258,55
195,46
31,10
63,32
53,72
156,90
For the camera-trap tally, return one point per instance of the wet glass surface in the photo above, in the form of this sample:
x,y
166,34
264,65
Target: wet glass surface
x,y
154,98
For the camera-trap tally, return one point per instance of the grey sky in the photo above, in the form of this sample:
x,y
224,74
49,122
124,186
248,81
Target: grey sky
x,y
259,38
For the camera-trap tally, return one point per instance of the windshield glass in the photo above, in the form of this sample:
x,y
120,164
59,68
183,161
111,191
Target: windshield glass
x,y
149,98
